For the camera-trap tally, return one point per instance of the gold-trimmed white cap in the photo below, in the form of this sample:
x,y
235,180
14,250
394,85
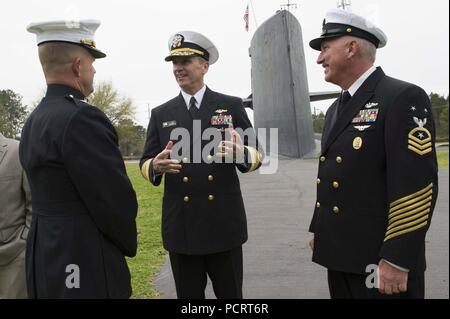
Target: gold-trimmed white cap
x,y
77,32
190,43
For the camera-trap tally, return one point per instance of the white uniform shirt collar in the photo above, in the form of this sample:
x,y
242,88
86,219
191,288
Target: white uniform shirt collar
x,y
198,97
357,84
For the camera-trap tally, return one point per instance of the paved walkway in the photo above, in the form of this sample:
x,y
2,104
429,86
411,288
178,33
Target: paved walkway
x,y
277,259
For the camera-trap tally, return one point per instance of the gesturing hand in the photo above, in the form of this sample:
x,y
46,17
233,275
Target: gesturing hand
x,y
163,164
234,148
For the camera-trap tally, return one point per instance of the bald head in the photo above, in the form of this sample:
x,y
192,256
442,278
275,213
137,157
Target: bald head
x,y
69,64
57,57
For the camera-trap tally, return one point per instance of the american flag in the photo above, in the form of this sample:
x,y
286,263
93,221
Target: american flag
x,y
246,18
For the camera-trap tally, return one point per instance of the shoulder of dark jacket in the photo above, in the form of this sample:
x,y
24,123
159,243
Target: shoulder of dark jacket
x,y
399,86
166,104
79,103
83,106
228,98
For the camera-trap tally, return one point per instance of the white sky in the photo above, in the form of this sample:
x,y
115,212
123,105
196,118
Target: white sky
x,y
134,34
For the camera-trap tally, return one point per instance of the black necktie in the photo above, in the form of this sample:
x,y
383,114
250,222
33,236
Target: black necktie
x,y
345,97
193,109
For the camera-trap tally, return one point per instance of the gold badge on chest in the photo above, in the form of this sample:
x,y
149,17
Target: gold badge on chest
x,y
357,143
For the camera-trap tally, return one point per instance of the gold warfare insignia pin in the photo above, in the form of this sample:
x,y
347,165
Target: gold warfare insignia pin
x,y
177,41
357,143
419,138
220,111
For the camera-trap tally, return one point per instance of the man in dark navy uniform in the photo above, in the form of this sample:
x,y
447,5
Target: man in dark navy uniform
x,y
84,206
203,218
377,181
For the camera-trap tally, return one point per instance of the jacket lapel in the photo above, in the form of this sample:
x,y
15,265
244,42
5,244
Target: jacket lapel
x,y
329,122
207,108
364,93
180,112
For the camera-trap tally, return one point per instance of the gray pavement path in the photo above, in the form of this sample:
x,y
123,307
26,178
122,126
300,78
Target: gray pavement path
x,y
277,259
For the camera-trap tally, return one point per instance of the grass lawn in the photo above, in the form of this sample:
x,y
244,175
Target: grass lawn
x,y
150,254
442,159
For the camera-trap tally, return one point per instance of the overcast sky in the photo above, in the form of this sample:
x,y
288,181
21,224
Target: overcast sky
x,y
134,34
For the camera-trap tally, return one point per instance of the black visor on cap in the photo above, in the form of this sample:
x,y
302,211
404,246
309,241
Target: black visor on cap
x,y
96,53
331,30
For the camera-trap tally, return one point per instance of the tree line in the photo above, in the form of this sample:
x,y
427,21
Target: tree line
x,y
121,112
119,109
439,104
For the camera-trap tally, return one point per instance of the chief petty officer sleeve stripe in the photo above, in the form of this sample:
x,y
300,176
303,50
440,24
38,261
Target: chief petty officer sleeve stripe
x,y
145,169
254,158
409,213
419,146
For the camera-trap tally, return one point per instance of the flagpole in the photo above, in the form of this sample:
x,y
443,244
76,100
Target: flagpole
x,y
254,15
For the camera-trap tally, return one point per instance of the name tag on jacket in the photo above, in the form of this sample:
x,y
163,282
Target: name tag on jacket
x,y
169,124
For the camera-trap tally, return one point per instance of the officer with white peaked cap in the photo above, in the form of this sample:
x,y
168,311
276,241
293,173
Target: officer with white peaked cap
x,y
84,206
203,215
76,32
377,181
339,22
189,43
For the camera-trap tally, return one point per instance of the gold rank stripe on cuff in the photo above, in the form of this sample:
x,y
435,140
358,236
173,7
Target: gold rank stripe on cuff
x,y
412,204
145,169
393,224
407,198
255,158
406,231
417,145
407,225
409,213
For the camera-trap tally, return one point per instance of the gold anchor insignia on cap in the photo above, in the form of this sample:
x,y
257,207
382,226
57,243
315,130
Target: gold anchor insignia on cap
x,y
357,143
88,42
177,41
